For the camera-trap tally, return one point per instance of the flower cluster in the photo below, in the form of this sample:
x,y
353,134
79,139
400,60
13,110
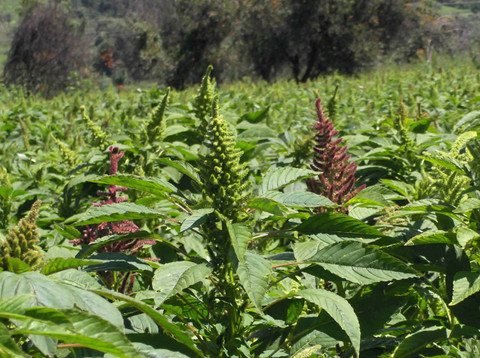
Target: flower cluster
x,y
336,178
21,242
92,233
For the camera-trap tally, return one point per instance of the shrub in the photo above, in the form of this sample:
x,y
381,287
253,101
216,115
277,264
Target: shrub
x,y
45,51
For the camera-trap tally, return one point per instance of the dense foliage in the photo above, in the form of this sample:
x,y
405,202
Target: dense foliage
x,y
180,224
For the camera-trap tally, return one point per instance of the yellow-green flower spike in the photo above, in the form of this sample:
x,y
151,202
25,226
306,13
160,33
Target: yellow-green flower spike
x,y
156,121
202,104
21,241
97,133
223,175
68,155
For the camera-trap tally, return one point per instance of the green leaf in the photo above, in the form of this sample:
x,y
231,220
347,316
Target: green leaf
x,y
89,249
337,224
8,347
468,122
433,237
16,265
465,284
468,205
68,232
158,317
339,309
75,326
465,235
280,177
239,235
114,212
256,117
265,204
116,261
153,186
417,340
60,264
254,274
256,133
183,167
400,187
196,219
420,126
174,277
301,199
361,264
450,164
54,292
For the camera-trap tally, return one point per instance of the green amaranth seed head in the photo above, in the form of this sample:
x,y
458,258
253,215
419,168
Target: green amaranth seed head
x,y
223,175
202,104
20,242
97,133
156,122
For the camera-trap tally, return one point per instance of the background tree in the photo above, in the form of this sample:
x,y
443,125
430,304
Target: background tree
x,y
45,51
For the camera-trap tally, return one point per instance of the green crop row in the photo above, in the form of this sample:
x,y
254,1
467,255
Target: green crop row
x,y
251,220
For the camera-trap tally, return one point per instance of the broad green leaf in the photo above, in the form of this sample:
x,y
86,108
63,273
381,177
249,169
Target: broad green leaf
x,y
195,220
265,204
417,340
339,309
174,277
153,186
53,292
433,237
116,261
75,326
337,224
114,212
306,249
158,317
68,232
89,249
450,164
420,126
255,117
468,122
254,274
60,264
239,236
465,284
468,205
400,187
280,177
256,133
16,265
8,347
160,353
361,264
183,167
44,291
465,235
302,199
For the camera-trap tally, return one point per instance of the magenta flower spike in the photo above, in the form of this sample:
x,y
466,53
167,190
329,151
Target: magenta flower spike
x,y
336,177
93,232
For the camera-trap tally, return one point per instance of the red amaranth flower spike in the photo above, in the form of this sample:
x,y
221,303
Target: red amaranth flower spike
x,y
337,176
92,233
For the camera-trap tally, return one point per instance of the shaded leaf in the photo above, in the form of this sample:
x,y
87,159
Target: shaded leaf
x,y
279,177
254,274
114,212
196,219
465,284
339,309
417,340
183,167
174,277
60,264
239,236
